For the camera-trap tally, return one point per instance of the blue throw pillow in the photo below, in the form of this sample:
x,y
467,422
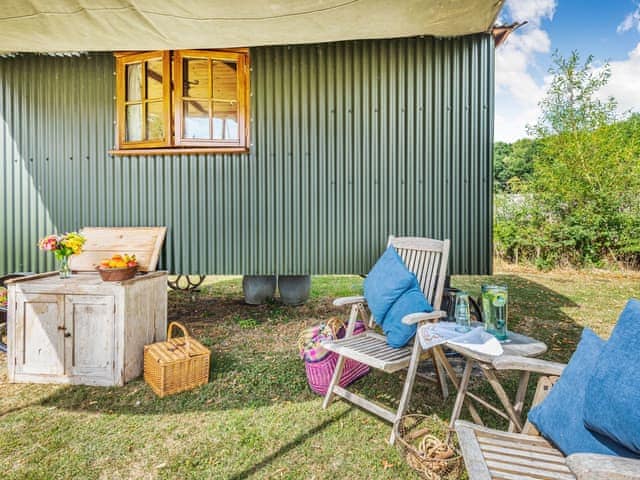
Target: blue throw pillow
x,y
412,301
387,281
559,418
612,405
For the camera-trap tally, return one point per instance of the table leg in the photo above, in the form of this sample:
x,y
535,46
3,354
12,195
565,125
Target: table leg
x,y
504,398
453,376
440,374
462,392
520,396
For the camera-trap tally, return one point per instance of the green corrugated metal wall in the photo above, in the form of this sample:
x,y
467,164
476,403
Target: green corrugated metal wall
x,y
350,142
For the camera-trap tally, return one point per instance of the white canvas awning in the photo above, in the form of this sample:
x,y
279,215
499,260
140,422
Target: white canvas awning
x,y
108,25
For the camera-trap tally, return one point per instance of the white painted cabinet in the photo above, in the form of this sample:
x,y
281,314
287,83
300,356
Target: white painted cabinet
x,y
83,330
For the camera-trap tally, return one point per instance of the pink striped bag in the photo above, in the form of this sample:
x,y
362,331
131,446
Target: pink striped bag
x,y
321,363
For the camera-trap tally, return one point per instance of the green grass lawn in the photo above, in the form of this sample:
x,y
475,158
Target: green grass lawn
x,y
257,418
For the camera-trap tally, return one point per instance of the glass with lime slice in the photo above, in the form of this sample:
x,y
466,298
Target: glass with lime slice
x,y
494,310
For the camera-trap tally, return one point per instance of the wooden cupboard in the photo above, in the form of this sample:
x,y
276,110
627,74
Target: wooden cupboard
x,y
82,330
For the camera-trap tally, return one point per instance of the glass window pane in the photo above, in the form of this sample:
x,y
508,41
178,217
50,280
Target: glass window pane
x,y
225,121
154,79
195,79
155,121
134,81
196,119
134,123
225,79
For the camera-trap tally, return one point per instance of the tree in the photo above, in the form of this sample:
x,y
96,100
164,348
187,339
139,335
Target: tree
x,y
500,151
583,200
571,104
512,164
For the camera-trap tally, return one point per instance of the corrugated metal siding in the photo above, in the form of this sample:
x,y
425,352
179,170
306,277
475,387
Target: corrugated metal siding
x,y
350,142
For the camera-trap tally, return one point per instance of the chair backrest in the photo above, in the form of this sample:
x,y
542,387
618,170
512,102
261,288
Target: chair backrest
x,y
545,384
427,259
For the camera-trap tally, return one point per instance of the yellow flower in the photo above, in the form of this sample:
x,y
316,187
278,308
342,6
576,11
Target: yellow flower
x,y
74,242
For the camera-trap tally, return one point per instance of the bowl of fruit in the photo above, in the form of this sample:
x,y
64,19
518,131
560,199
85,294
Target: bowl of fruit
x,y
118,268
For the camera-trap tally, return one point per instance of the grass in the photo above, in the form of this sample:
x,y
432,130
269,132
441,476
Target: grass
x,y
257,418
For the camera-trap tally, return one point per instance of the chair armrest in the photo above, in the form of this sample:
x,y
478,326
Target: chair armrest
x,y
593,466
514,362
342,301
423,317
474,460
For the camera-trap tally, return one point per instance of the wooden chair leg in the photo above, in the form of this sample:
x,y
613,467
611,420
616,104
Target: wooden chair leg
x,y
334,382
408,385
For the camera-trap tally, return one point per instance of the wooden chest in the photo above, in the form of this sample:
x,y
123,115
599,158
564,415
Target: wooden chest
x,y
82,330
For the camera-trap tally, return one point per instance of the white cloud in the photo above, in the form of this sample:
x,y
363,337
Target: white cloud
x,y
631,21
531,10
517,89
623,84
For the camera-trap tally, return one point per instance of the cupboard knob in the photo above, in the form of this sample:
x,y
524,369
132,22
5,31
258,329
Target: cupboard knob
x,y
67,334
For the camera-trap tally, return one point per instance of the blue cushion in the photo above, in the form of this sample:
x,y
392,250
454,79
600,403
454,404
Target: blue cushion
x,y
559,418
412,301
387,281
612,405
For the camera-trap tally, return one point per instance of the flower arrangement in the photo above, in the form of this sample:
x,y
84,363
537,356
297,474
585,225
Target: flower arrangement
x,y
63,246
3,297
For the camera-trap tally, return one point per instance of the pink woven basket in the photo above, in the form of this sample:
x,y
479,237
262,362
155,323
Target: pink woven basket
x,y
320,372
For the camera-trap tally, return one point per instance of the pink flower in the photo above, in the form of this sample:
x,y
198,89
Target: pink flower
x,y
49,243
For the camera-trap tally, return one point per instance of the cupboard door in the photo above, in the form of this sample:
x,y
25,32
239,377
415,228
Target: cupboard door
x,y
39,339
90,341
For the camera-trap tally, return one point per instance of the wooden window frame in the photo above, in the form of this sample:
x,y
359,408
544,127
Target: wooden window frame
x,y
172,66
121,99
241,94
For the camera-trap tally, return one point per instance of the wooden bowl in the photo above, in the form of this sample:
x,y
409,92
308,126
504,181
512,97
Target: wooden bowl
x,y
117,274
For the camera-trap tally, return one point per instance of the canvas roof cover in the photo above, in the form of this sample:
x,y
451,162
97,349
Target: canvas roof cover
x,y
108,25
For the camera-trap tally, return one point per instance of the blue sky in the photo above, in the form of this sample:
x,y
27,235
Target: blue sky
x,y
607,29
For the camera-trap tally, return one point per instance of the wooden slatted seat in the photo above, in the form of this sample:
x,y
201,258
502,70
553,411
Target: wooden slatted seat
x,y
493,455
513,455
371,348
427,259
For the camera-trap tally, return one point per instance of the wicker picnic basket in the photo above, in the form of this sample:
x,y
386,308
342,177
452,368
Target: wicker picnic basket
x,y
179,364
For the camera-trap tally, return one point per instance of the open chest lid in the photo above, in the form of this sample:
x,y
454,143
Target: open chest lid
x,y
103,242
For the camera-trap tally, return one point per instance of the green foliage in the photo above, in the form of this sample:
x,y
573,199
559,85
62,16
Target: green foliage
x,y
513,164
580,205
571,104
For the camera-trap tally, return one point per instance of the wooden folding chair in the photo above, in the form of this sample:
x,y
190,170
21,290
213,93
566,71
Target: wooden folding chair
x,y
427,259
494,455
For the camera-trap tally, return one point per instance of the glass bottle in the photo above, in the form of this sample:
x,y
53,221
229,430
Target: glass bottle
x,y
463,317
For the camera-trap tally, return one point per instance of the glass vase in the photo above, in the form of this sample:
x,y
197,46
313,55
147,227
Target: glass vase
x,y
65,270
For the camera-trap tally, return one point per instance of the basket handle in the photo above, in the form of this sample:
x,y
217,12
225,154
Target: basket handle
x,y
178,325
335,324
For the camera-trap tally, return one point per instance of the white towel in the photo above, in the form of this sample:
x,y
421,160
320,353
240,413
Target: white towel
x,y
476,339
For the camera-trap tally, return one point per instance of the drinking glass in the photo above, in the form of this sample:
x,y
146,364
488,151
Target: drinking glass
x,y
463,317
